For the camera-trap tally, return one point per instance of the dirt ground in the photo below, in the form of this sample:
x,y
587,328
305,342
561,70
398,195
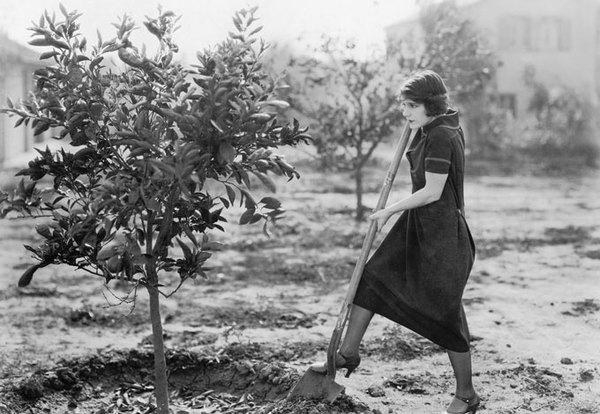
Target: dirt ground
x,y
239,340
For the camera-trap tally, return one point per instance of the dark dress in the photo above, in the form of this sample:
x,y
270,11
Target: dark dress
x,y
417,275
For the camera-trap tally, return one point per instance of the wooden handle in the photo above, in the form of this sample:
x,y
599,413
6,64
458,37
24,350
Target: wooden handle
x,y
364,253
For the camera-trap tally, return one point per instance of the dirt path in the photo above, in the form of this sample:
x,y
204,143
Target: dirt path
x,y
533,301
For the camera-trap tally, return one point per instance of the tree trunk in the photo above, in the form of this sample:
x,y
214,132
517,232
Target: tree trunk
x,y
360,213
161,391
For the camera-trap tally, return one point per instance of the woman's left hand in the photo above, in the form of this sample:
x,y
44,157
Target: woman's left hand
x,y
381,217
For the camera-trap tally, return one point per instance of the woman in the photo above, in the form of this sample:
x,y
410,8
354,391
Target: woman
x,y
417,275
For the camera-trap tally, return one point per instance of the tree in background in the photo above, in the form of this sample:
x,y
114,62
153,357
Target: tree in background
x,y
350,104
132,200
452,46
561,125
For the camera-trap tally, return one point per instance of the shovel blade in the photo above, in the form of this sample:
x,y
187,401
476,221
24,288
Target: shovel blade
x,y
314,385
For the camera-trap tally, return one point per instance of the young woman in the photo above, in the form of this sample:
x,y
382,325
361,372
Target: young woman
x,y
417,276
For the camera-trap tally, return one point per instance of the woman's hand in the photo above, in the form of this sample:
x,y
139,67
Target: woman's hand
x,y
381,217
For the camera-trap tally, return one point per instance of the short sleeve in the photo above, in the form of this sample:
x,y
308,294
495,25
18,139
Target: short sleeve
x,y
438,153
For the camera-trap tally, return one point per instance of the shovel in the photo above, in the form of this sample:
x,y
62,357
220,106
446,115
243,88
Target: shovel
x,y
319,386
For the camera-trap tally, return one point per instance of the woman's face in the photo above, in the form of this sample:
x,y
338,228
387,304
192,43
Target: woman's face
x,y
415,113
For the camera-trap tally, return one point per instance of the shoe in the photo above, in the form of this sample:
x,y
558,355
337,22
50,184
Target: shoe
x,y
341,362
472,405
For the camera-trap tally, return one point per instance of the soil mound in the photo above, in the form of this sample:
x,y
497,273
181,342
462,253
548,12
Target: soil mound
x,y
121,381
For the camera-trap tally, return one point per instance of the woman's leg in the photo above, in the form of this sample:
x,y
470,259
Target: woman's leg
x,y
357,326
347,356
461,364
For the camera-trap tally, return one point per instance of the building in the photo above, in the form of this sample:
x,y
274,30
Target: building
x,y
17,64
557,42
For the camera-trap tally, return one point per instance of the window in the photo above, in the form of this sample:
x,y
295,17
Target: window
x,y
515,33
552,33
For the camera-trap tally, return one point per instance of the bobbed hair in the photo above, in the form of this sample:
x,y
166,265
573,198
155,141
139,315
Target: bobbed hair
x,y
428,88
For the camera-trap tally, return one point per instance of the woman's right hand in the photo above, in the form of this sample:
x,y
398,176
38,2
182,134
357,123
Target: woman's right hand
x,y
381,217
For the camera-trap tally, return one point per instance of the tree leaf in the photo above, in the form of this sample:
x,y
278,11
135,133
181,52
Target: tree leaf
x,y
230,193
47,55
202,257
270,203
226,153
266,180
187,252
39,42
217,127
248,199
63,10
255,218
247,216
25,279
214,245
278,103
225,202
188,232
40,128
265,229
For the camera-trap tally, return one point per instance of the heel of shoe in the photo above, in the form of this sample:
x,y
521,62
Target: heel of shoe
x,y
350,363
472,405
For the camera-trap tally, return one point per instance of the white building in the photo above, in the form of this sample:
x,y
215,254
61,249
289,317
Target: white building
x,y
17,64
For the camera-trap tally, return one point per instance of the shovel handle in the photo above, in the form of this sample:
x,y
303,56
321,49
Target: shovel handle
x,y
364,253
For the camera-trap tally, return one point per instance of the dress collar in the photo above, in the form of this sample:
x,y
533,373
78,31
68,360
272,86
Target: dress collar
x,y
450,118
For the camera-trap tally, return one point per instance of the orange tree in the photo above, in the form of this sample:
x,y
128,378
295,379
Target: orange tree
x,y
130,201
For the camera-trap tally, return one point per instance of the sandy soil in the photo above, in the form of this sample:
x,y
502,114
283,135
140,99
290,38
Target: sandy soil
x,y
533,302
